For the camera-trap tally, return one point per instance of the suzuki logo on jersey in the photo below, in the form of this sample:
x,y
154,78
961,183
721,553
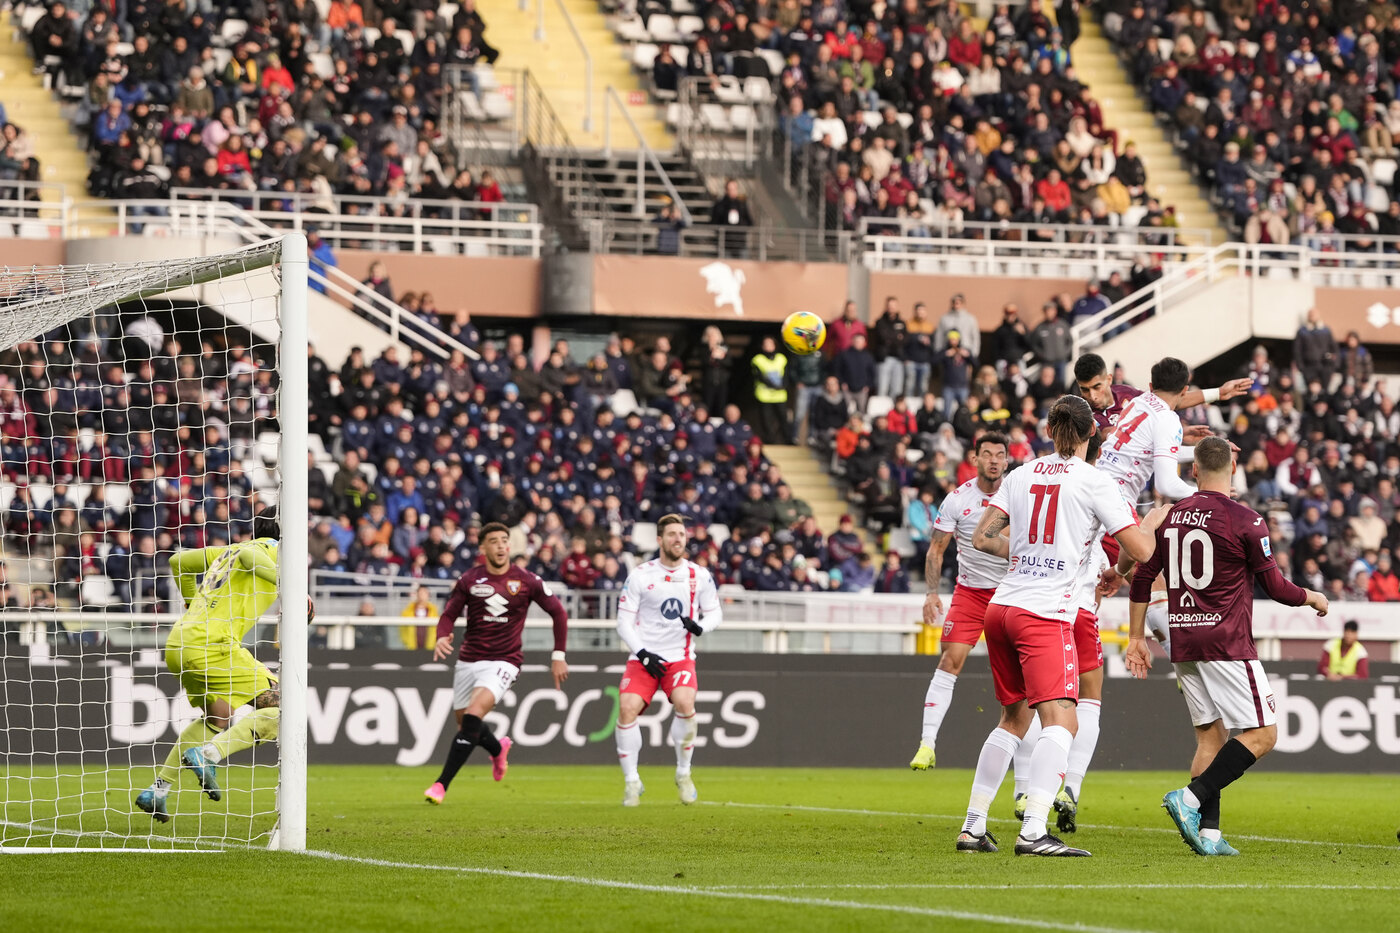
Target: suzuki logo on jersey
x,y
496,608
671,609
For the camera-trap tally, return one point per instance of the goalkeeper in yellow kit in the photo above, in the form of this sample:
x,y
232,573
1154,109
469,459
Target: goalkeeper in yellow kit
x,y
226,590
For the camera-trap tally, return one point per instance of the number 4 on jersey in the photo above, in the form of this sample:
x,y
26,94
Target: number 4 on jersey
x,y
1048,497
1126,429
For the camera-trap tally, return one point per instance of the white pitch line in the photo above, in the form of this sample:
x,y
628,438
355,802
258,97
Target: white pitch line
x,y
1077,887
961,816
684,891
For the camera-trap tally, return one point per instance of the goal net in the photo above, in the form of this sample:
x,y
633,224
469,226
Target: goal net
x,y
149,410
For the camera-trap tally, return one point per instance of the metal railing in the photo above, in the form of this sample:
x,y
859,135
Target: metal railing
x,y
443,209
762,243
550,156
645,156
701,136
221,218
1142,237
1010,258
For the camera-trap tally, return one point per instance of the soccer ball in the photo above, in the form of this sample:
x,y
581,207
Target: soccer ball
x,y
803,332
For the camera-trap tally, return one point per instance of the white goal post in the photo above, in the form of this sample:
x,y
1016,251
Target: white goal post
x,y
147,408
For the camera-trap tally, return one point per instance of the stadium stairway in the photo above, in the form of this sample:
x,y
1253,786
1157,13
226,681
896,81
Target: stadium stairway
x,y
803,472
1167,178
558,65
36,110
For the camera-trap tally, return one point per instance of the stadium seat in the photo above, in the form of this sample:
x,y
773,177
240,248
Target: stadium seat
x,y
1383,171
7,495
662,28
729,90
78,494
878,405
690,26
630,30
644,540
268,443
323,63
715,117
41,494
231,31
719,532
644,55
741,117
623,402
758,90
118,496
902,542
774,58
97,590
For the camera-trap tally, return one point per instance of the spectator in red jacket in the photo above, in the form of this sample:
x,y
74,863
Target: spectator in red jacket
x,y
840,332
1053,190
965,49
1385,585
577,570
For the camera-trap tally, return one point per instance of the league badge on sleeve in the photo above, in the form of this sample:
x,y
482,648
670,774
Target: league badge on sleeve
x,y
1268,548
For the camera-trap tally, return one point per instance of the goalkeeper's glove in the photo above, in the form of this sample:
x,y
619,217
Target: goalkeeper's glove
x,y
653,663
692,626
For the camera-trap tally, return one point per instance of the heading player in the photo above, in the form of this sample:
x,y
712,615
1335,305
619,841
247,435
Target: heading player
x,y
666,604
1052,508
1213,551
205,650
978,576
496,599
1107,397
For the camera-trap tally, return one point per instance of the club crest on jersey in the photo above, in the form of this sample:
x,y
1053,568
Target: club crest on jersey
x,y
671,608
483,590
1270,700
513,586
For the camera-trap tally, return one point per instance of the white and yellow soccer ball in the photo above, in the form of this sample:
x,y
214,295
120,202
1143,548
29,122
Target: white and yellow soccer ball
x,y
803,333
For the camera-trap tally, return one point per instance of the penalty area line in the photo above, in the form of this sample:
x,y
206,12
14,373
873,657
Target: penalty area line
x,y
721,894
946,816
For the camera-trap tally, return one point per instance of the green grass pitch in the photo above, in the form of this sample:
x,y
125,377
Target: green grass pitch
x,y
551,849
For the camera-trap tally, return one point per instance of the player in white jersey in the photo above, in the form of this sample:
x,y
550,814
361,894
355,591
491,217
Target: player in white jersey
x,y
666,604
978,576
1146,443
1052,509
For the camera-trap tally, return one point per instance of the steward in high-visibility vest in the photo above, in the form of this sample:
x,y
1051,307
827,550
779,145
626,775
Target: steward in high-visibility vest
x,y
1345,658
770,392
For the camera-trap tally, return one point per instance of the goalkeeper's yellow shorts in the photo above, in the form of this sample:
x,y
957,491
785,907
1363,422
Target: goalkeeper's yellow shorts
x,y
210,672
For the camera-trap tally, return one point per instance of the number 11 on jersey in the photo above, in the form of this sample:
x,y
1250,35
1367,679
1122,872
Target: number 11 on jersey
x,y
1048,497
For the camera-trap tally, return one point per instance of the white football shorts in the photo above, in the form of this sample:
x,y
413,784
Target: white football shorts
x,y
1235,692
496,676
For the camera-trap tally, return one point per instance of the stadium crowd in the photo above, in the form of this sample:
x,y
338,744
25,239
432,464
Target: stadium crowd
x,y
122,443
1288,113
345,103
908,117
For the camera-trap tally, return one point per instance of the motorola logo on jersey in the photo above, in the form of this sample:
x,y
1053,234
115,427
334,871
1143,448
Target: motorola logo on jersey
x,y
672,609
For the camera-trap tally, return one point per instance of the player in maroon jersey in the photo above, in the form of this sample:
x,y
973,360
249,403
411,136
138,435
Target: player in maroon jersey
x,y
1106,398
496,599
1213,550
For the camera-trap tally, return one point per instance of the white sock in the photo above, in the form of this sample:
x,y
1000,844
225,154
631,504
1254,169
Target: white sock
x,y
211,754
1085,740
936,701
629,748
1191,799
683,729
161,787
1212,834
991,771
1047,770
1021,764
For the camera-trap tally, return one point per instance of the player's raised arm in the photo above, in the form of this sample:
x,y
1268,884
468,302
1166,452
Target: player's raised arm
x,y
544,598
456,602
1166,455
1192,397
1138,541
